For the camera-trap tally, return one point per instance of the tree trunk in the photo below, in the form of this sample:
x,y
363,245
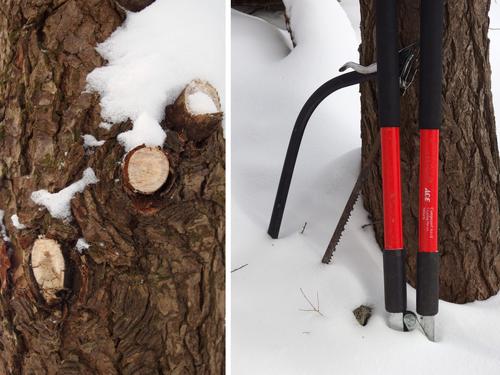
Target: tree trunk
x,y
469,194
147,296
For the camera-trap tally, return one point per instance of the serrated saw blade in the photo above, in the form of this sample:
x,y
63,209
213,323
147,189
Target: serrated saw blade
x,y
349,206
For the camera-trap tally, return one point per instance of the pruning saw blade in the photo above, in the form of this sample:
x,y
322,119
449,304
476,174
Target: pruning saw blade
x,y
349,206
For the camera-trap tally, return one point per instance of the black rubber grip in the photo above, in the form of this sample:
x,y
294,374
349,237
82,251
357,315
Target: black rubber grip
x,y
395,281
431,70
427,283
387,63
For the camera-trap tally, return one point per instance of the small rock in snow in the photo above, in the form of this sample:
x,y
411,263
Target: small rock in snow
x,y
363,314
90,141
58,204
81,245
17,223
200,103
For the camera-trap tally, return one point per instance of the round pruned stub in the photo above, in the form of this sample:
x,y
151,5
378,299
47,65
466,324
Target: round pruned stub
x,y
197,112
146,169
48,266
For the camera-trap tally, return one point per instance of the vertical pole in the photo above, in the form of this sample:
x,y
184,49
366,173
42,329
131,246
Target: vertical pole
x,y
389,121
431,42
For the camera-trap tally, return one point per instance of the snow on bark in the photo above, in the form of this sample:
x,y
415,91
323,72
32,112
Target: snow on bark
x,y
200,103
58,203
82,245
146,69
146,130
3,230
105,125
90,141
17,224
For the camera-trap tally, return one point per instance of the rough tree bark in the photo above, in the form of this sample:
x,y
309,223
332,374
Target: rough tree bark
x,y
147,297
469,194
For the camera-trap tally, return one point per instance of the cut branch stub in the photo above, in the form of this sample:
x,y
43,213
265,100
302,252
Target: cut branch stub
x,y
146,169
47,263
135,5
197,111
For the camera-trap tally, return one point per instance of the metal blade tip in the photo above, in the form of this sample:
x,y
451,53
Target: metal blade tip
x,y
395,321
428,325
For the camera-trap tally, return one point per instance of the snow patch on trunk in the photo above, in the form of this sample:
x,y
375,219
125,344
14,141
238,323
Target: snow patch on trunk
x,y
200,103
155,53
90,141
105,125
58,204
82,245
146,131
17,224
3,230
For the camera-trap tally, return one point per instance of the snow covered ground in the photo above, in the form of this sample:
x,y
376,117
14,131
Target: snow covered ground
x,y
270,333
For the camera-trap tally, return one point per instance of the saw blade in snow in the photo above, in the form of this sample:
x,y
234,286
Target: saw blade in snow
x,y
346,214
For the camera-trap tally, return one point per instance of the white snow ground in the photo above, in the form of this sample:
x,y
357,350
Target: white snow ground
x,y
270,335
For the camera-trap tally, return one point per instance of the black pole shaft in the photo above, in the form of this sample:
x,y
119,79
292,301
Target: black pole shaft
x,y
431,71
389,121
387,63
430,107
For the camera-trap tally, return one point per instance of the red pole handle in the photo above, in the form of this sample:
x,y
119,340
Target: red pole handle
x,y
391,188
429,173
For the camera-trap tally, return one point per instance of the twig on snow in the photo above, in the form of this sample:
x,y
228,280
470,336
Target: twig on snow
x,y
239,268
313,308
303,228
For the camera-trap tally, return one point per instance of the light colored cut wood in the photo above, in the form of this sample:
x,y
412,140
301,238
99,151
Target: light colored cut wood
x,y
48,266
197,111
147,169
201,98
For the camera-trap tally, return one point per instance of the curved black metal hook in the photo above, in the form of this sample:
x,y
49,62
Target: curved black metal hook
x,y
408,65
328,88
